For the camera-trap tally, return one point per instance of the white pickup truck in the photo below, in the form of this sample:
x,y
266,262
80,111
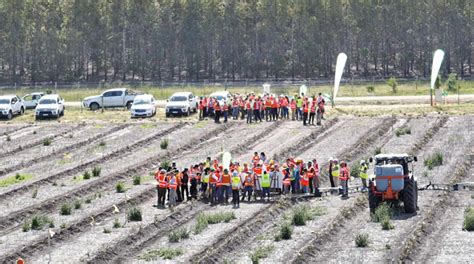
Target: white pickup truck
x,y
119,97
11,105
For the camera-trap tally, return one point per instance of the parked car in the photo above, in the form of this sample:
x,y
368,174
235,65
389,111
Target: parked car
x,y
11,105
31,100
181,104
143,106
119,97
51,105
222,96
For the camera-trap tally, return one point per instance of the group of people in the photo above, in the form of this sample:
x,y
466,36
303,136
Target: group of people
x,y
267,107
256,179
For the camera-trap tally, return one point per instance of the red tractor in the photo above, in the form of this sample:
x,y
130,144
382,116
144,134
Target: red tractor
x,y
393,181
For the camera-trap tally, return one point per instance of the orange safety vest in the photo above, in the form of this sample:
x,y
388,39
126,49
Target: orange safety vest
x,y
305,108
287,182
268,104
293,105
173,184
256,159
217,107
249,180
275,104
257,171
162,181
310,175
344,176
226,179
284,103
225,108
304,180
214,177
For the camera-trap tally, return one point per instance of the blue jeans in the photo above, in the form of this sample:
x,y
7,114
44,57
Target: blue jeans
x,y
235,112
249,116
265,190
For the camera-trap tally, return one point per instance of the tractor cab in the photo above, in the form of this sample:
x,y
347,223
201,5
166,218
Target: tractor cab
x,y
393,181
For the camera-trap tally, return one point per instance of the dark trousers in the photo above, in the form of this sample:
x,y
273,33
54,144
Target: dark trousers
x,y
247,190
274,114
235,197
193,191
311,185
242,113
268,116
184,188
331,180
293,186
179,197
161,196
249,116
256,114
226,113
311,118
265,192
305,118
217,116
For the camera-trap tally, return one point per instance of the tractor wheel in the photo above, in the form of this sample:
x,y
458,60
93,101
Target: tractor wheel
x,y
373,199
410,196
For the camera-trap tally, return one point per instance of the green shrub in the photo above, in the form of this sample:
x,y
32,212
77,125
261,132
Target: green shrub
x,y
77,204
117,223
137,180
107,230
66,209
34,132
35,193
102,144
355,170
402,131
26,226
383,212
134,214
86,175
468,224
203,220
378,150
164,143
301,214
392,82
120,187
165,253
452,82
39,221
362,240
370,89
387,225
261,253
434,160
178,234
88,200
96,171
285,231
46,142
166,164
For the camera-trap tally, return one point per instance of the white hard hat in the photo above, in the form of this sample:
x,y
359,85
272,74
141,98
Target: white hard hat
x,y
362,162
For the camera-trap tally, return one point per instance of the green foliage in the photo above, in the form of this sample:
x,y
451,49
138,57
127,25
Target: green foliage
x,y
434,160
18,178
117,223
370,89
38,222
66,209
46,142
285,231
120,187
102,144
178,234
137,180
107,230
96,171
387,225
437,84
402,131
261,252
468,223
304,213
378,150
26,226
86,175
392,82
355,170
164,143
77,204
134,214
203,220
383,212
362,240
88,200
165,253
452,82
166,164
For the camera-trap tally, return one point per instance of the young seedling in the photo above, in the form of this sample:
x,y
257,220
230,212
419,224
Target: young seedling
x,y
35,193
77,204
120,187
117,223
96,171
468,223
66,209
137,180
46,142
164,143
102,144
362,240
134,214
86,175
179,234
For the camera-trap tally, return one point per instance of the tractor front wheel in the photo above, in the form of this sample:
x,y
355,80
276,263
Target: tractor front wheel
x,y
374,200
410,198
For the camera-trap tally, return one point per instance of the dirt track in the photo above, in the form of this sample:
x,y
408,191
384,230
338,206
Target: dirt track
x,y
347,138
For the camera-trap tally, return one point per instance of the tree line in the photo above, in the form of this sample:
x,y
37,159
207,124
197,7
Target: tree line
x,y
192,40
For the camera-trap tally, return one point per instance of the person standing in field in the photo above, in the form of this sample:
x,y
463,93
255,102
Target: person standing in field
x,y
162,187
173,186
236,186
331,180
344,177
363,174
184,184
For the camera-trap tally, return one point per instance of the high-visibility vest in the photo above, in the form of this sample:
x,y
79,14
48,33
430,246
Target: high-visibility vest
x,y
226,179
275,104
172,184
225,107
256,159
310,175
344,174
205,178
214,177
248,180
287,182
305,108
268,104
335,170
162,181
293,105
257,171
299,102
265,180
235,182
304,180
363,172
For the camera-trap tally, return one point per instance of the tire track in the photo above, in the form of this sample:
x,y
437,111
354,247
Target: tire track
x,y
310,251
40,141
18,216
236,238
83,224
61,150
15,130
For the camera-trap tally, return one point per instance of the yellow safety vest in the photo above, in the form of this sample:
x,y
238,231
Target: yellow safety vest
x,y
363,172
335,170
205,178
235,182
265,180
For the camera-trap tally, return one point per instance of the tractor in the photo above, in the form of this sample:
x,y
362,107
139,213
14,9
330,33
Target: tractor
x,y
393,181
